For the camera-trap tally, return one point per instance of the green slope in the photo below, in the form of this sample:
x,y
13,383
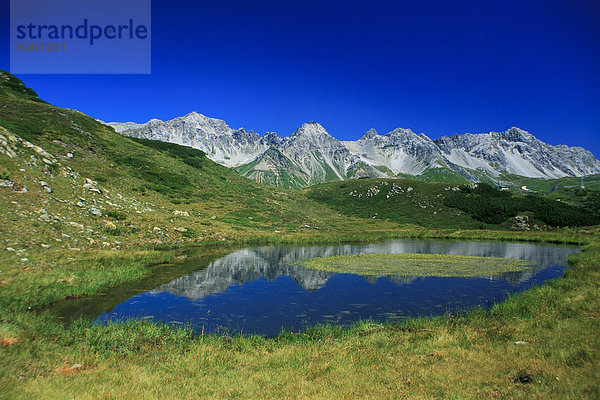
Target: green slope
x,y
550,185
11,86
274,169
403,201
442,205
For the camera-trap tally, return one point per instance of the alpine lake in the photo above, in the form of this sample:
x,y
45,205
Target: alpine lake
x,y
265,289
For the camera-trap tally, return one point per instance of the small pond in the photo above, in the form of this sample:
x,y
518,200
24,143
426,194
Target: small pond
x,y
263,289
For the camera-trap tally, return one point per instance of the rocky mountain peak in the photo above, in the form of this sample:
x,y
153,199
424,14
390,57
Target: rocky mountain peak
x,y
194,115
310,129
401,132
514,134
204,122
370,134
271,138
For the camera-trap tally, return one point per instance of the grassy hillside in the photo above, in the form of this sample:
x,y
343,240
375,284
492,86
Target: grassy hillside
x,y
548,186
443,205
490,205
403,201
11,86
78,172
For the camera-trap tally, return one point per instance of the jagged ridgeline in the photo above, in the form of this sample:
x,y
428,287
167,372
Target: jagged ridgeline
x,y
311,155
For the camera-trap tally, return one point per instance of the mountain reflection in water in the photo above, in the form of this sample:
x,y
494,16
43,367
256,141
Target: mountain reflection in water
x,y
263,289
272,262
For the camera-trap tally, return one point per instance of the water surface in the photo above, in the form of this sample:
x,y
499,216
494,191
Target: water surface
x,y
262,290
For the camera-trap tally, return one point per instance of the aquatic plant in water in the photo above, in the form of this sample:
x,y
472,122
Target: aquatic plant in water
x,y
443,265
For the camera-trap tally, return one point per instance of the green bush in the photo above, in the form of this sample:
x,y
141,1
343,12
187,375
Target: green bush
x,y
190,233
116,215
490,205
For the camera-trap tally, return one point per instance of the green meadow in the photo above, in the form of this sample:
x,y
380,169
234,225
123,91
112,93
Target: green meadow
x,y
540,343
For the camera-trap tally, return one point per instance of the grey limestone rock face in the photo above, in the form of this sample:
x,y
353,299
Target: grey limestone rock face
x,y
311,155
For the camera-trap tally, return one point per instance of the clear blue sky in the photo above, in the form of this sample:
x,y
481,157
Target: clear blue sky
x,y
437,67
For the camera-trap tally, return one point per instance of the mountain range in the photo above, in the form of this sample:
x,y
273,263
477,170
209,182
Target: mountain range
x,y
311,155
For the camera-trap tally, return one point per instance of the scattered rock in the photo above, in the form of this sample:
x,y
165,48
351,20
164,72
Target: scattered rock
x,y
95,211
45,246
6,183
88,183
521,222
45,218
75,367
110,225
80,204
182,213
76,225
180,229
7,143
521,342
21,190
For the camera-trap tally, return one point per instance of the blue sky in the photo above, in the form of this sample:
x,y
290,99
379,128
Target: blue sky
x,y
436,67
